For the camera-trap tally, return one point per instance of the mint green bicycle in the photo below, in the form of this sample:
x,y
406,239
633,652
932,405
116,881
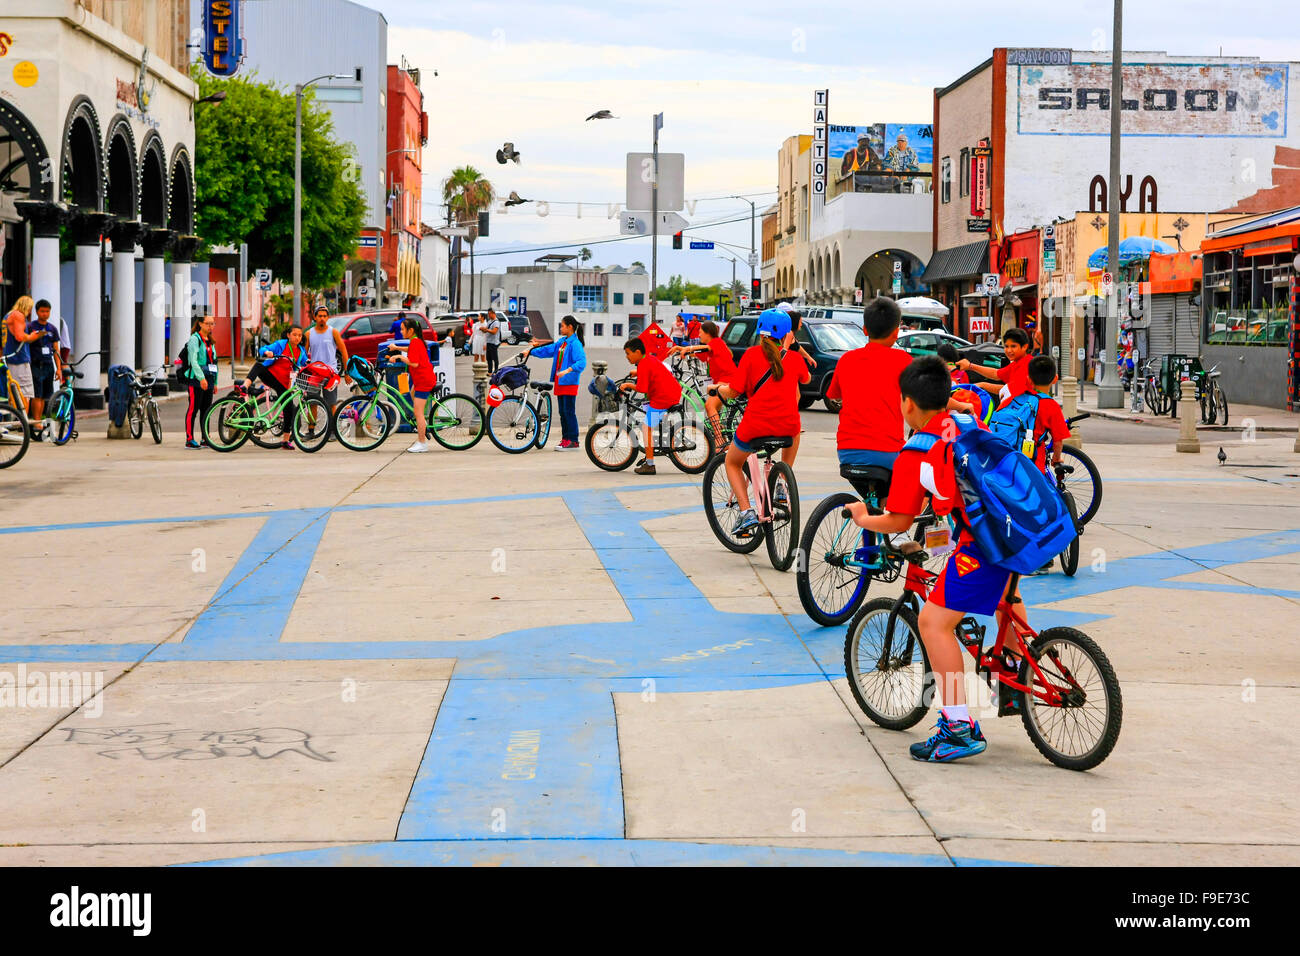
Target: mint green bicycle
x,y
234,419
363,423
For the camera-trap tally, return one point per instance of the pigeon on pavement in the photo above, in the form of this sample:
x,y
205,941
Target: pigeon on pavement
x,y
1223,456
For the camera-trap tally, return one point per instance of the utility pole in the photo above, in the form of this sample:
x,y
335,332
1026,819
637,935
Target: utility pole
x,y
1109,392
752,259
654,219
297,189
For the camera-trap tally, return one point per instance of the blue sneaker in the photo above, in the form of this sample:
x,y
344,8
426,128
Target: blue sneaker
x,y
746,522
951,741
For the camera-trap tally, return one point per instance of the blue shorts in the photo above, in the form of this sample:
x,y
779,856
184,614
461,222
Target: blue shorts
x,y
652,415
416,393
969,584
743,446
864,456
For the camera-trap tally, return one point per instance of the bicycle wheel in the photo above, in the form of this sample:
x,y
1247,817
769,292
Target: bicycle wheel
x,y
1081,731
135,416
543,419
14,437
690,446
609,445
273,436
512,425
455,421
888,671
64,414
155,423
1221,404
311,424
828,590
1084,483
783,534
1070,556
720,508
361,424
226,425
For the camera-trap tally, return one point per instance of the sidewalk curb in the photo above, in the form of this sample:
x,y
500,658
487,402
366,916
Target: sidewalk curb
x,y
1171,423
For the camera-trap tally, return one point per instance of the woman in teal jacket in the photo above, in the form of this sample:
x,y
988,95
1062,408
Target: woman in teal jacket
x,y
568,361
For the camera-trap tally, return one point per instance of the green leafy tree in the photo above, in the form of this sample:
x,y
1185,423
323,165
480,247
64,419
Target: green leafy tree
x,y
466,193
584,255
243,174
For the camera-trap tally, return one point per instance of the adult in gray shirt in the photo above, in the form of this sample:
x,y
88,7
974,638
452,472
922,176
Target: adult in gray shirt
x,y
494,324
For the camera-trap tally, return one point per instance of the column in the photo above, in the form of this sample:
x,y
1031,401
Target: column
x,y
153,323
121,338
45,219
182,302
86,227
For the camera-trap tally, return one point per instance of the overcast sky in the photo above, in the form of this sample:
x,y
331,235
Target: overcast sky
x,y
732,81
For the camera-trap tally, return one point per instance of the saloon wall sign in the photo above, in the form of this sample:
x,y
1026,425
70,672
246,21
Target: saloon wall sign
x,y
1160,99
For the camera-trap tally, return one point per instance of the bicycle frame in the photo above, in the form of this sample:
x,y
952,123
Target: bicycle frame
x,y
266,416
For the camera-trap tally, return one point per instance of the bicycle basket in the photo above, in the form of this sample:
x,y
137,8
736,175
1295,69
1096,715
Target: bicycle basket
x,y
361,371
510,377
317,378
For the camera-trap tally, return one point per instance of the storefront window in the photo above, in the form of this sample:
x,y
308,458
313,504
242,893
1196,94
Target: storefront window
x,y
1247,300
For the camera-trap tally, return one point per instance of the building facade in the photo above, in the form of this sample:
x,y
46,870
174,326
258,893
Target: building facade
x,y
408,132
96,105
613,303
792,172
767,257
435,271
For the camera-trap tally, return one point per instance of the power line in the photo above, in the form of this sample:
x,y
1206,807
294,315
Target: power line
x,y
574,202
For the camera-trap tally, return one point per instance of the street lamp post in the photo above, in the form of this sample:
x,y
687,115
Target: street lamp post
x,y
752,250
1109,392
297,188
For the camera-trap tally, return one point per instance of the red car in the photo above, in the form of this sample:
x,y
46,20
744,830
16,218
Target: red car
x,y
363,331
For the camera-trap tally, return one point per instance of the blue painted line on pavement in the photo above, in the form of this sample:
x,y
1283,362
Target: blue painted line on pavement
x,y
1228,589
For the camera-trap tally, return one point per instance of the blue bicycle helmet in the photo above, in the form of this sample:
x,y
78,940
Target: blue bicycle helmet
x,y
774,322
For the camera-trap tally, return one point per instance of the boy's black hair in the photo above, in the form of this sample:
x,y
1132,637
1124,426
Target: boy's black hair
x,y
926,382
880,317
947,352
1042,370
41,304
635,345
1017,335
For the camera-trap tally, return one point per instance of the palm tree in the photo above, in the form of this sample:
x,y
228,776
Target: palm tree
x,y
584,255
467,193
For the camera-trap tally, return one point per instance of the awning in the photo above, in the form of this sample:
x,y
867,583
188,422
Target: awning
x,y
959,262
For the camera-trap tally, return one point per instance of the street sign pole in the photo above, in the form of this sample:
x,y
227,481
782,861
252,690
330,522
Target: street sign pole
x,y
1109,392
654,219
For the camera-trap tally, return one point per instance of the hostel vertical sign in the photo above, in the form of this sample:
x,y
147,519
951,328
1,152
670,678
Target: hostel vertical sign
x,y
223,41
821,108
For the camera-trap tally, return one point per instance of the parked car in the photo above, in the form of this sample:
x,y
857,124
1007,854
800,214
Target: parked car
x,y
853,313
363,331
825,339
920,343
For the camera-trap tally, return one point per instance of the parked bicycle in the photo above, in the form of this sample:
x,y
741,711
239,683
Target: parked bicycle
x,y
363,423
1059,681
143,407
775,497
235,418
521,420
60,424
612,442
1210,396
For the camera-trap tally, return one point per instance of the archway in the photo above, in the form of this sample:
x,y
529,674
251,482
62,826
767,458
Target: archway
x,y
875,276
181,192
120,198
83,165
153,182
24,161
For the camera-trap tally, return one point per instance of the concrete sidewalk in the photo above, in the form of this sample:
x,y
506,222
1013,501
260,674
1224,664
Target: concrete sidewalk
x,y
1273,420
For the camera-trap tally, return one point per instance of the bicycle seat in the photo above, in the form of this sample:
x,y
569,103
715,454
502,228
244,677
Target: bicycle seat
x,y
675,408
542,386
867,480
770,443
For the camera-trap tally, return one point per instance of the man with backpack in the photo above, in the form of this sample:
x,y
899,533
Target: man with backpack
x,y
1009,517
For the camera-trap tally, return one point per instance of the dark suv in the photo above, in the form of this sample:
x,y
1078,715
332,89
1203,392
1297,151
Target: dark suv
x,y
824,339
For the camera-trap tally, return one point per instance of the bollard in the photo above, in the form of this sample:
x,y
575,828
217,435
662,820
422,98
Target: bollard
x,y
122,431
598,369
480,381
1187,440
1070,408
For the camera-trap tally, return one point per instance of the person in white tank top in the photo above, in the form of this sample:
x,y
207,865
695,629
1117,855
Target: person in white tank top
x,y
324,344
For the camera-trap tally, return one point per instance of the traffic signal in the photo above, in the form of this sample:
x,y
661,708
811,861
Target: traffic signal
x,y
482,225
756,290
677,240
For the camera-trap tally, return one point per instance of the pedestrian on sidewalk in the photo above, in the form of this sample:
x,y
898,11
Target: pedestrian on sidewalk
x,y
493,341
199,373
18,356
423,377
679,331
568,361
324,344
47,362
479,344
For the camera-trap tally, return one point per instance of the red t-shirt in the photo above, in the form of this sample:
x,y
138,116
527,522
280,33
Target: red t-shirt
x,y
1016,377
657,382
1051,420
722,367
423,377
866,381
774,408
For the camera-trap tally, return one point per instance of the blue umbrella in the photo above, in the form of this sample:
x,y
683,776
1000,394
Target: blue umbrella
x,y
1134,247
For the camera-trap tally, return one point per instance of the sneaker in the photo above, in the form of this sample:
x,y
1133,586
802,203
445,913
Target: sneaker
x,y
192,444
417,448
288,445
746,522
950,741
781,497
1045,569
566,446
645,467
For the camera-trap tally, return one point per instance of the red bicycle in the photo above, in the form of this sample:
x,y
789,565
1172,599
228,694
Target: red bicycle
x,y
1059,681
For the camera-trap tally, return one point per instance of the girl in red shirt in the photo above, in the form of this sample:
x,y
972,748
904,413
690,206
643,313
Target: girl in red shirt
x,y
423,378
722,368
773,407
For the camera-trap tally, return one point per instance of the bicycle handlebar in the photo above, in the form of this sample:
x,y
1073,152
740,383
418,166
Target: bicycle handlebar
x,y
1077,418
916,555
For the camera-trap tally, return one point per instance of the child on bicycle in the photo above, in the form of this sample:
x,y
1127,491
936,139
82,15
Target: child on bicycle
x,y
980,401
1050,421
662,391
722,368
423,377
773,407
277,360
969,584
1014,375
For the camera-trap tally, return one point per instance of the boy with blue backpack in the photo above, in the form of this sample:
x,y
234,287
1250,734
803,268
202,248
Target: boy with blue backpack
x,y
1008,515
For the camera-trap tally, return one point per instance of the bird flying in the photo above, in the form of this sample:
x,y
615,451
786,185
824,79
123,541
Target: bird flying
x,y
515,199
600,114
507,151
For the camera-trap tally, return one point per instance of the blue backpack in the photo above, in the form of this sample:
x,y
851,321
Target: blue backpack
x,y
1015,514
1015,421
